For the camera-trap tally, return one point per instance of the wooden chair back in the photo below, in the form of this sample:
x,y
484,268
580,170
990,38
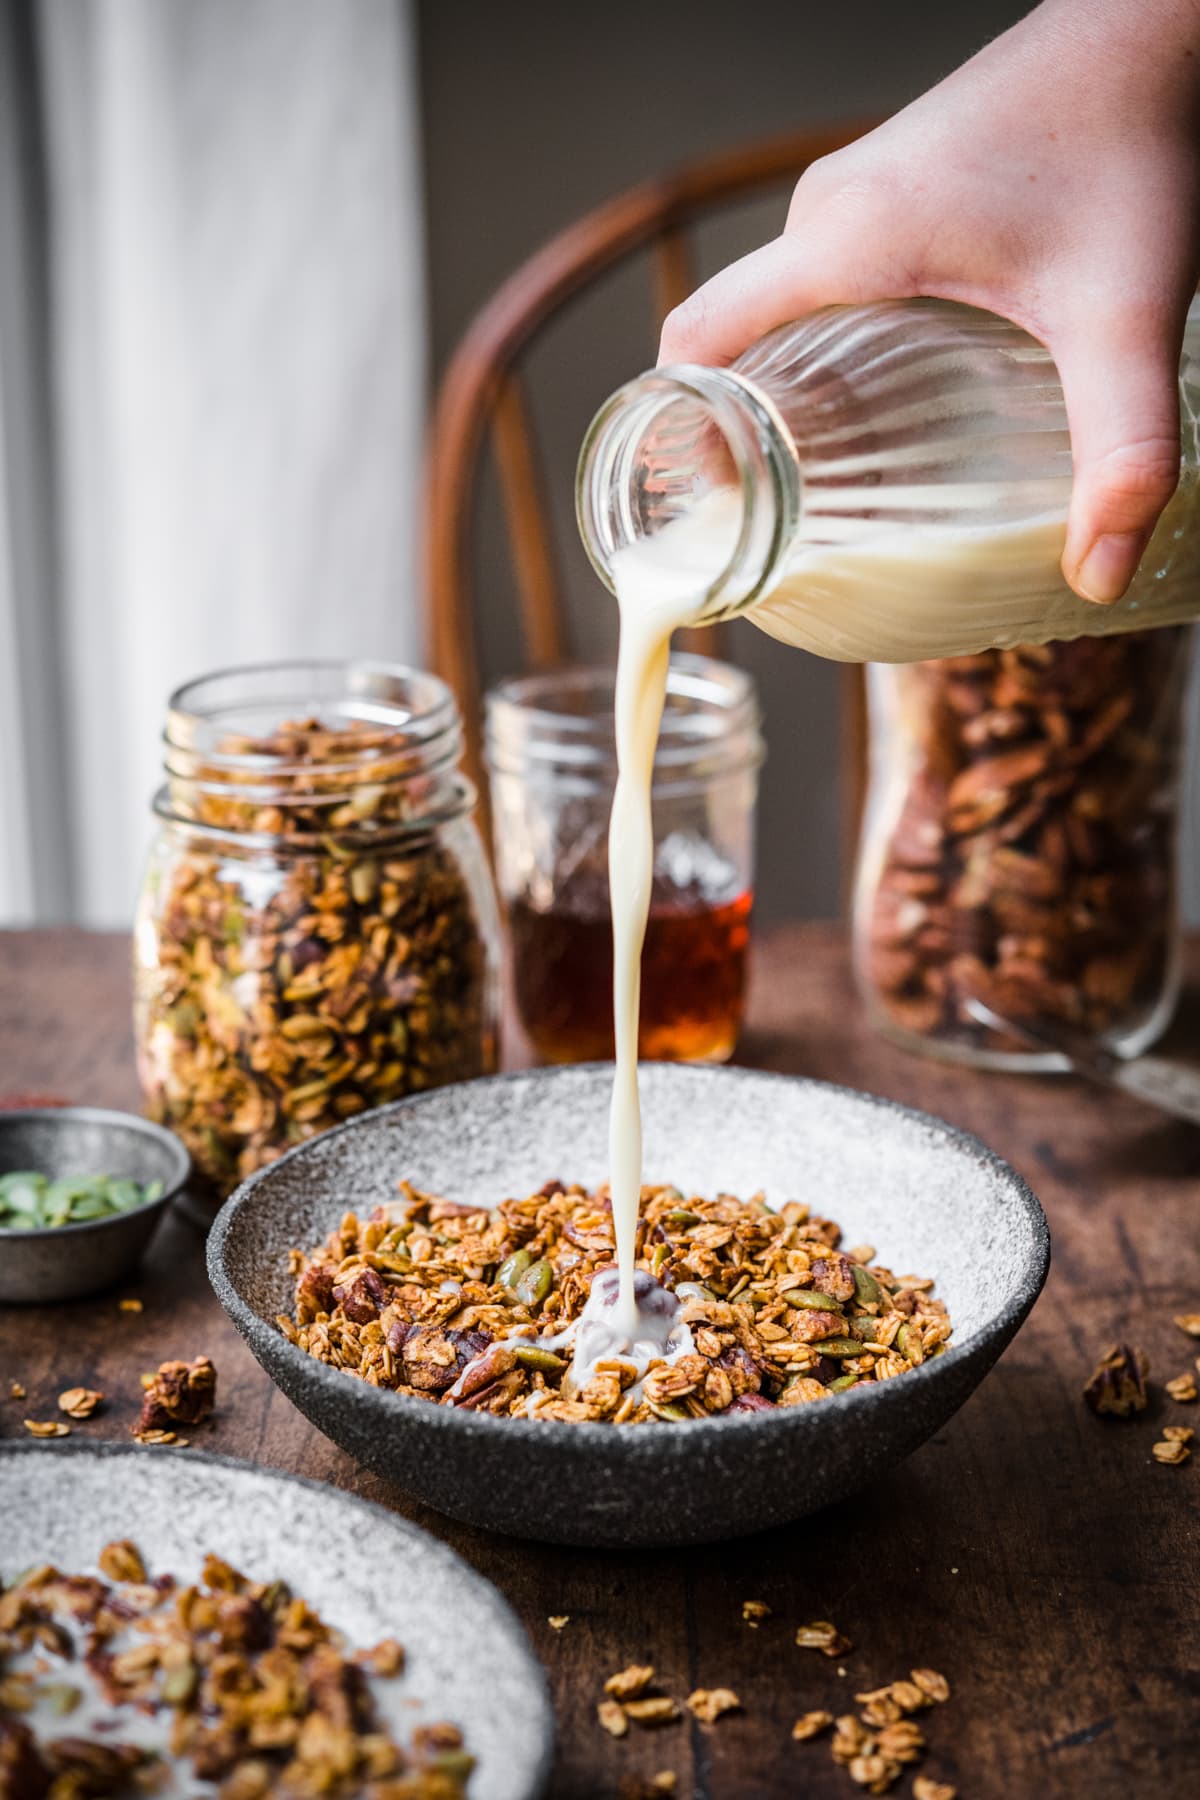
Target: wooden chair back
x,y
482,400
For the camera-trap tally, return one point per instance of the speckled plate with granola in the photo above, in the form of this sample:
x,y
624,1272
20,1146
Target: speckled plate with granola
x,y
373,1577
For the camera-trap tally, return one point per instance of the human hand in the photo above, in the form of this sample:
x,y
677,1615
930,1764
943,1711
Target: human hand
x,y
1053,179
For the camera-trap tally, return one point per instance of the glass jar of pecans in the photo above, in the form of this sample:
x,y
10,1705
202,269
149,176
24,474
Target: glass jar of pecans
x,y
1019,846
317,932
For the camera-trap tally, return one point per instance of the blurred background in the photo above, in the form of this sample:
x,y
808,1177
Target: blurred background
x,y
239,241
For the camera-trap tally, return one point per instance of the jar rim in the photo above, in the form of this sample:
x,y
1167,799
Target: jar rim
x,y
386,730
392,695
563,719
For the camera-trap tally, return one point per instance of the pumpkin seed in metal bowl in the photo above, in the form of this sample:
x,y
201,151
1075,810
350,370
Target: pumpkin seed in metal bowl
x,y
84,1194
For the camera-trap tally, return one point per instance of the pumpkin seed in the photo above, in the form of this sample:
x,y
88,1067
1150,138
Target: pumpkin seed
x,y
908,1343
667,1410
512,1268
30,1202
867,1290
61,1697
680,1218
179,1685
458,1763
533,1356
843,1382
838,1346
364,881
805,1300
535,1283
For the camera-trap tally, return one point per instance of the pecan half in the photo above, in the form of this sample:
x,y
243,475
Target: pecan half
x,y
1117,1385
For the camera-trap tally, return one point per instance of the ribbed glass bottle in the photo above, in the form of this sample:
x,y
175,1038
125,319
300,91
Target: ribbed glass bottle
x,y
877,483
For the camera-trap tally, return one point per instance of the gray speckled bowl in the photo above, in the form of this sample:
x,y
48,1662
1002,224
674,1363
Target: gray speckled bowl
x,y
366,1571
64,1262
928,1197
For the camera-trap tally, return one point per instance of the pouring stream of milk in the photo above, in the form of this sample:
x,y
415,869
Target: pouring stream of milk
x,y
659,587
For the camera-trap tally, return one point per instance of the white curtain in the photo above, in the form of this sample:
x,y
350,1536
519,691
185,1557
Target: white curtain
x,y
237,350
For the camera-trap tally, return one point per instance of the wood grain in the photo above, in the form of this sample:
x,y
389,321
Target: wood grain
x,y
1036,1555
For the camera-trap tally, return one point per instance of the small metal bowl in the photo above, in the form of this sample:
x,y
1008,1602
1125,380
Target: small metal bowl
x,y
64,1262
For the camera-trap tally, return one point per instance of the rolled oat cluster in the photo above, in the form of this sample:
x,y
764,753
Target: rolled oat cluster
x,y
1020,846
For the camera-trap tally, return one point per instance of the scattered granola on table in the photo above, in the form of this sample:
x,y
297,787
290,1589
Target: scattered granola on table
x,y
1116,1387
823,1636
1170,1450
811,1725
179,1393
46,1428
1189,1322
754,1612
710,1704
244,1686
628,1684
877,1746
1182,1388
654,1709
79,1402
627,1700
467,1307
653,1787
611,1715
312,940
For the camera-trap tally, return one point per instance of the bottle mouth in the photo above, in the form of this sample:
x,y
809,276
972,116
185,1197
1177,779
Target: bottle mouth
x,y
677,440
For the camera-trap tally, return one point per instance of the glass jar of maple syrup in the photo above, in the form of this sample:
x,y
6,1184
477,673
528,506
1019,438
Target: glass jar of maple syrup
x,y
552,764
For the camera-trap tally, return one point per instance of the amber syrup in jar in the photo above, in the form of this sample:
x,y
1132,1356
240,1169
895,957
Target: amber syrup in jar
x,y
552,768
693,979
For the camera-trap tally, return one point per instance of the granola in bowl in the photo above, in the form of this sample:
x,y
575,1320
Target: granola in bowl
x,y
481,1310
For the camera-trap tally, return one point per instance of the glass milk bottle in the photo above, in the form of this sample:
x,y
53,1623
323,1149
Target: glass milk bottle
x,y
881,483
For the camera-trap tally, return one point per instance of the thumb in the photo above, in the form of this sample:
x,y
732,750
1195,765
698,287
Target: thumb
x,y
1121,384
768,287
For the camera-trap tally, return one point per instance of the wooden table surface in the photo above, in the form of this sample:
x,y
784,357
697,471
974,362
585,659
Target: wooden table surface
x,y
1035,1555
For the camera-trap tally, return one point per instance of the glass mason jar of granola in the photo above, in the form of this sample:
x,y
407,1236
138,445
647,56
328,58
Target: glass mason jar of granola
x,y
317,932
1019,846
552,764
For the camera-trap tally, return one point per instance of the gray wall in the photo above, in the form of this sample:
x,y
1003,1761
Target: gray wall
x,y
535,111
